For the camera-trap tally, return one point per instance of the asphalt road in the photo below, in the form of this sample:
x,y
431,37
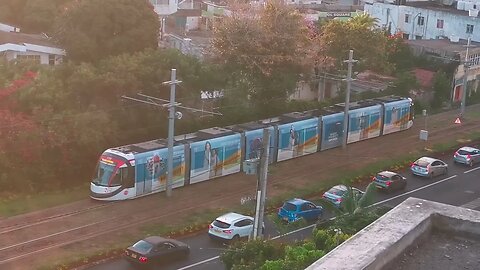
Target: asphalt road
x,y
460,187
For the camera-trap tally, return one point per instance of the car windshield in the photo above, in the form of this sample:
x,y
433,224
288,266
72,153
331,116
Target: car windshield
x,y
464,152
143,246
289,206
221,224
422,163
382,177
336,191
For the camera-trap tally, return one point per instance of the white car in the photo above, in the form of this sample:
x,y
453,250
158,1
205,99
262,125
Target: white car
x,y
231,226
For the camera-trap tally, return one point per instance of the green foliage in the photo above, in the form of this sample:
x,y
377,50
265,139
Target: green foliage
x,y
327,240
352,223
95,29
251,255
359,34
441,88
283,226
264,54
296,257
404,83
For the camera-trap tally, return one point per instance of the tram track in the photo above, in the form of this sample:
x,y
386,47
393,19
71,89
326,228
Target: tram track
x,y
15,248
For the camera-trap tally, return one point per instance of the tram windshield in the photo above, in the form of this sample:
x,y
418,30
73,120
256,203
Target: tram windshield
x,y
104,174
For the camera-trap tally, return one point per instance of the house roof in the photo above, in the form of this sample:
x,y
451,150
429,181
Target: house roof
x,y
188,13
424,77
442,44
21,38
436,6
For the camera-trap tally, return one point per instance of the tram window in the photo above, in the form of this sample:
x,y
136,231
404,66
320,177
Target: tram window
x,y
119,176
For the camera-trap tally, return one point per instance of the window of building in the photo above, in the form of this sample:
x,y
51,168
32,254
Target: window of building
x,y
34,58
439,24
407,18
406,36
469,28
421,20
51,59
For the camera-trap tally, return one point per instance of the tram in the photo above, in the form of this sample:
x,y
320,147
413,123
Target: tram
x,y
136,170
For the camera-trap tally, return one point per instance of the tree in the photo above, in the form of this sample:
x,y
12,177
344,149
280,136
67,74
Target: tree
x,y
251,255
358,34
296,257
91,30
441,89
265,51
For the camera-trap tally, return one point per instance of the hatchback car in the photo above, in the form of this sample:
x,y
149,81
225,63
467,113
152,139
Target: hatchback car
x,y
296,209
429,167
389,181
467,156
231,226
155,250
337,193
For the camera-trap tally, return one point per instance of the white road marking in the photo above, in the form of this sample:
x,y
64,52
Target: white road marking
x,y
198,263
313,225
473,204
471,170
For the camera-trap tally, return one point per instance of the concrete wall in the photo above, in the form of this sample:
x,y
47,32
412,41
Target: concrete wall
x,y
388,237
394,15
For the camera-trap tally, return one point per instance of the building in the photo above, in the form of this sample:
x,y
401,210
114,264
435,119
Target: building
x,y
453,51
8,28
417,234
38,48
428,19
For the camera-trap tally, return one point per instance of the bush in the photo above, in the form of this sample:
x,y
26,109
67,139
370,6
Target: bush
x,y
251,255
328,239
297,257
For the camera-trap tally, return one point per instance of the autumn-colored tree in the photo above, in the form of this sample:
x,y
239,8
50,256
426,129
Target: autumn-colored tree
x,y
265,51
91,30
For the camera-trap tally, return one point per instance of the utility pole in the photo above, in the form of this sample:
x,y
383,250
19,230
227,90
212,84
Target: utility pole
x,y
170,105
171,128
349,80
466,66
262,186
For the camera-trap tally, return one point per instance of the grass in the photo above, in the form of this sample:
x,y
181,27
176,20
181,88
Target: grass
x,y
20,204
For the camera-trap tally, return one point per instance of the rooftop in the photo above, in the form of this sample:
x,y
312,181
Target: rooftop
x,y
436,6
439,230
21,38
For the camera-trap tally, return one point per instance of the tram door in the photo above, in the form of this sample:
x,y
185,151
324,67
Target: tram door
x,y
363,125
404,118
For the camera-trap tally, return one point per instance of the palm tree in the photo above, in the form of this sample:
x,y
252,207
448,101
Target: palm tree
x,y
363,20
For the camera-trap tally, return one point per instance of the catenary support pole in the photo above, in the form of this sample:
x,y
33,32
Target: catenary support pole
x,y
171,133
262,186
466,66
349,80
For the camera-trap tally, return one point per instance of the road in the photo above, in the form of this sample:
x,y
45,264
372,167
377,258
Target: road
x,y
460,187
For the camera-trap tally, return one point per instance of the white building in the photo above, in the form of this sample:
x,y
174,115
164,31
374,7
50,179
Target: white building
x,y
33,47
428,19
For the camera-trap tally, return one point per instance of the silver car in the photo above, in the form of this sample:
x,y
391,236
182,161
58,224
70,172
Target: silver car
x,y
429,167
467,156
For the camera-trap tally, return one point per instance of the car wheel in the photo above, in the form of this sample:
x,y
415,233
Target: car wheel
x,y
446,171
431,175
470,163
235,238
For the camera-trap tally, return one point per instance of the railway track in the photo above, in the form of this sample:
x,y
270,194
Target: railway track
x,y
20,239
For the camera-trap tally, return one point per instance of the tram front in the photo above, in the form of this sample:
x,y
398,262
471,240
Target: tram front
x,y
114,178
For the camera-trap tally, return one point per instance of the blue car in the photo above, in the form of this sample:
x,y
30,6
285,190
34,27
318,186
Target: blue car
x,y
337,193
296,209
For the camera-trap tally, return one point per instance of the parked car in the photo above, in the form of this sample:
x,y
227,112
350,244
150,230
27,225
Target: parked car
x,y
337,193
467,156
231,226
389,181
296,209
155,250
429,167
